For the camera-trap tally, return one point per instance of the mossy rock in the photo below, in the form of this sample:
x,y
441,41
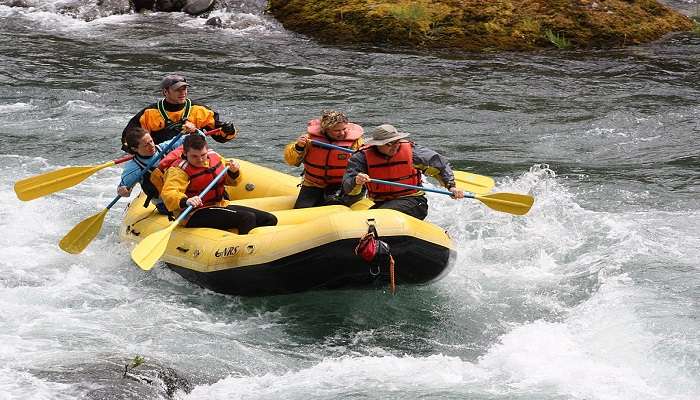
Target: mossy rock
x,y
476,25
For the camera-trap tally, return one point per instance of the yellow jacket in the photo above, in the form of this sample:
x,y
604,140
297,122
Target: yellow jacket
x,y
176,182
202,117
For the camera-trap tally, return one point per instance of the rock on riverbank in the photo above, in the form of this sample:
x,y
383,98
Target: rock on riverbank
x,y
478,25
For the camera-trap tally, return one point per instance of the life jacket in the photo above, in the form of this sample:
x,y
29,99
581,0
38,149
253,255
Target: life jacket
x,y
324,166
146,184
399,168
157,178
201,177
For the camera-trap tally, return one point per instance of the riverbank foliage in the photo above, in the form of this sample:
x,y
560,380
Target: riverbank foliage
x,y
478,25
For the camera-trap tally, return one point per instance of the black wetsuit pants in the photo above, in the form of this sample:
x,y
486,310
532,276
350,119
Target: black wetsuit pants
x,y
312,196
415,206
240,217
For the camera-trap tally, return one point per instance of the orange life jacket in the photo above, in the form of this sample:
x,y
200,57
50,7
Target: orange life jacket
x,y
324,166
201,177
398,168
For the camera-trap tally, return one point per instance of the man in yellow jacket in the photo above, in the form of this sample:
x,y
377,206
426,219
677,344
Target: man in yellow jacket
x,y
185,180
175,112
324,166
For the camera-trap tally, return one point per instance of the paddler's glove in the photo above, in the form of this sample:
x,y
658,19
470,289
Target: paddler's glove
x,y
174,129
229,130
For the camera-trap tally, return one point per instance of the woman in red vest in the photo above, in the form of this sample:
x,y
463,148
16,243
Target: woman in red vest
x,y
390,157
324,167
185,180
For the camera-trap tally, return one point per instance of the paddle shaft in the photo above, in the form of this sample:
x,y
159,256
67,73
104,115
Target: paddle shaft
x,y
332,146
403,185
512,203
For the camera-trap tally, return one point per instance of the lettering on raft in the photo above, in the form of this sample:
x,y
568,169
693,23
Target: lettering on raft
x,y
227,252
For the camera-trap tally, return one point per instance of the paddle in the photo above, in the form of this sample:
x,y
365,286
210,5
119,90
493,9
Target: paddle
x,y
151,248
82,234
41,185
512,203
44,184
464,180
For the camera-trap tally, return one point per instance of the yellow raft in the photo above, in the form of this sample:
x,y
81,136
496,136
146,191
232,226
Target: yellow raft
x,y
310,248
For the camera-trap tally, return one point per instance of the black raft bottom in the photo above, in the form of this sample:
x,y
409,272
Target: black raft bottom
x,y
331,266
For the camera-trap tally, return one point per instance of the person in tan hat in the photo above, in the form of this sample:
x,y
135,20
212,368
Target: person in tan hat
x,y
176,112
323,166
391,157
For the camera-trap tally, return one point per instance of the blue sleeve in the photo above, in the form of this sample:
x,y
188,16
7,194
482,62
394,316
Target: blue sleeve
x,y
131,174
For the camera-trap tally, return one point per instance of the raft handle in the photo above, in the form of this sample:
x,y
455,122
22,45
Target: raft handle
x,y
182,249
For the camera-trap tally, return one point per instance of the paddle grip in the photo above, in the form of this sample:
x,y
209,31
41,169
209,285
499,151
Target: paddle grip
x,y
123,159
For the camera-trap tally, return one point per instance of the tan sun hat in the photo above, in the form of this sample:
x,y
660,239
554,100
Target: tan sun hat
x,y
384,134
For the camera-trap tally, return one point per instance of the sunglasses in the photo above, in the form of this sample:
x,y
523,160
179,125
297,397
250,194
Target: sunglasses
x,y
392,143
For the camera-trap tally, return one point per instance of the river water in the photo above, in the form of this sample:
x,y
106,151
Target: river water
x,y
595,294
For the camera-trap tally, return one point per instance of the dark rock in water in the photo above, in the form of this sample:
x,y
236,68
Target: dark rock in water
x,y
192,7
108,380
140,5
215,22
196,7
170,5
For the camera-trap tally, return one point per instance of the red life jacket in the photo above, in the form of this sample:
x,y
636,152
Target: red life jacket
x,y
398,168
157,177
201,177
171,158
324,166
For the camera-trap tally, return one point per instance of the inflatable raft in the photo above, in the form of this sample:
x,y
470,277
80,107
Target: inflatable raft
x,y
309,249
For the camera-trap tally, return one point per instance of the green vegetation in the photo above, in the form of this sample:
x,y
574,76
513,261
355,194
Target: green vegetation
x,y
557,39
138,360
477,25
421,16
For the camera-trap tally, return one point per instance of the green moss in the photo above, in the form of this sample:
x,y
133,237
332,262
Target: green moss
x,y
477,25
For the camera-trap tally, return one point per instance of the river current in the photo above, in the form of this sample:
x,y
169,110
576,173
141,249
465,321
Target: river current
x,y
595,294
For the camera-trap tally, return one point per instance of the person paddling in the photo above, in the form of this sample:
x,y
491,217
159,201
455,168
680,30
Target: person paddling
x,y
176,112
141,145
324,167
389,156
186,179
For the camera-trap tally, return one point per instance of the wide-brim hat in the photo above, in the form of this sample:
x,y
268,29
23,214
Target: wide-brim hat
x,y
384,134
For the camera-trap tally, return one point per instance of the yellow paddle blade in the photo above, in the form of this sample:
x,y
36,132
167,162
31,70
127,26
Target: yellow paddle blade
x,y
147,253
513,203
82,234
474,183
41,185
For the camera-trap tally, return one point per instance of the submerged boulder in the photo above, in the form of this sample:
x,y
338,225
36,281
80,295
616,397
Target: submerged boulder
x,y
478,25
